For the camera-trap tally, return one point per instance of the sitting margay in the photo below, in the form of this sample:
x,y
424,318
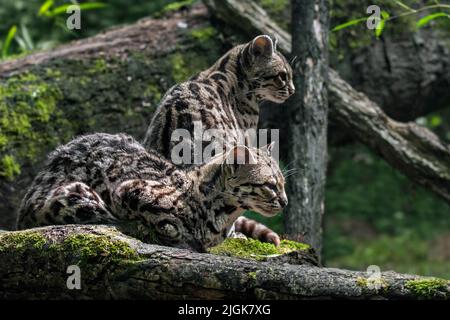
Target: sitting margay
x,y
112,179
225,97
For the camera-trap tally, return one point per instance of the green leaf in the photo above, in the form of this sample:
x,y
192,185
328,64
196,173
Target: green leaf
x,y
380,27
423,21
43,10
92,5
26,37
381,24
11,33
348,24
83,6
22,44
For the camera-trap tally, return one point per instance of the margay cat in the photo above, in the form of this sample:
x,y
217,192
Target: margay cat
x,y
225,97
103,178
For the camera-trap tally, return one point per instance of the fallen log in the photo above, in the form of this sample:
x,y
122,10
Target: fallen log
x,y
34,265
413,150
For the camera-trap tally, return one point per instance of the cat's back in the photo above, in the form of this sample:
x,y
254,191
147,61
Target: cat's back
x,y
101,145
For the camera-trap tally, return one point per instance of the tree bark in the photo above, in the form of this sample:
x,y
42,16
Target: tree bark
x,y
408,75
411,149
307,122
34,264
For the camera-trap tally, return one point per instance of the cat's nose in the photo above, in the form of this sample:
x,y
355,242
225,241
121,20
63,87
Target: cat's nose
x,y
283,200
291,89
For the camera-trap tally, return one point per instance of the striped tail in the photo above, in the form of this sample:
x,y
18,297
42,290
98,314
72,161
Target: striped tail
x,y
253,229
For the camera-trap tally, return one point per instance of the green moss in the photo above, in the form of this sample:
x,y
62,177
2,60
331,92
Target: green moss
x,y
252,275
203,34
153,92
27,107
254,249
52,73
83,248
180,71
427,287
372,283
98,66
88,248
361,282
21,241
9,168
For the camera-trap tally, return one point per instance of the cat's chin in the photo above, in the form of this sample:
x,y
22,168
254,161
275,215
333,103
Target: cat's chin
x,y
269,214
277,100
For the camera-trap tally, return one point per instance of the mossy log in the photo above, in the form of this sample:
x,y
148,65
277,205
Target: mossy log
x,y
410,148
34,264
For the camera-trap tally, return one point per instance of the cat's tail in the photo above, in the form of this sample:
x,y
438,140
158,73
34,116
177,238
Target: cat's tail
x,y
253,229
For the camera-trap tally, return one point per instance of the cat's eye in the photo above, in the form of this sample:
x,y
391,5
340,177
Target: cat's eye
x,y
282,75
271,186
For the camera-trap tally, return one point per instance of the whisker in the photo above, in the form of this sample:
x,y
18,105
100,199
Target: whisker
x,y
289,171
293,60
289,164
291,174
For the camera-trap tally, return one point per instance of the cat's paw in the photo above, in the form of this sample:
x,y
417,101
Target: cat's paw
x,y
272,237
77,190
237,235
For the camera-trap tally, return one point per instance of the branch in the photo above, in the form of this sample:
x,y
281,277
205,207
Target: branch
x,y
413,150
116,266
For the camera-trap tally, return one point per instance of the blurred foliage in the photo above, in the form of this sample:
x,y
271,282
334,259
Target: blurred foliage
x,y
47,30
375,215
357,35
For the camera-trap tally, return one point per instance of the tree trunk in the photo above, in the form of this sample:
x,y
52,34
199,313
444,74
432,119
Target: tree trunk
x,y
411,149
34,265
307,122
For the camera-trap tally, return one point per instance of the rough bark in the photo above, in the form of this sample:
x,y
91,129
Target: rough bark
x,y
33,265
413,150
406,74
307,122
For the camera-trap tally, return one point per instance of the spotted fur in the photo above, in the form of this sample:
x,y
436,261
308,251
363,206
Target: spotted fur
x,y
225,97
112,179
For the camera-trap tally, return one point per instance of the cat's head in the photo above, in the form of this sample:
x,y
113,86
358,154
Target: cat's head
x,y
268,71
253,180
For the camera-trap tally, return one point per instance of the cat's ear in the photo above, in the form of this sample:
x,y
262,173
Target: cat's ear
x,y
262,46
